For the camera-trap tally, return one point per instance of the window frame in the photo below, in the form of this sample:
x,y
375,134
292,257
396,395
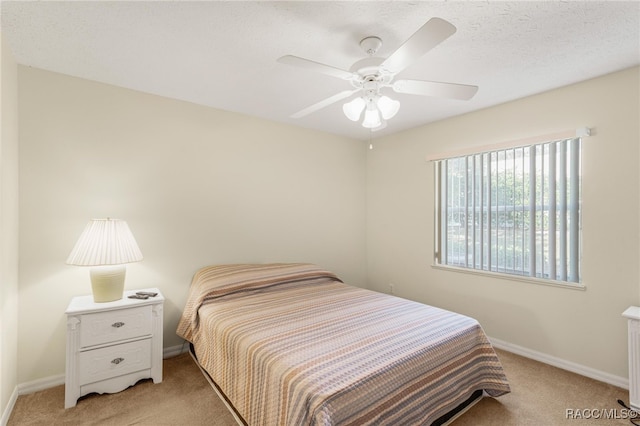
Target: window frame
x,y
441,233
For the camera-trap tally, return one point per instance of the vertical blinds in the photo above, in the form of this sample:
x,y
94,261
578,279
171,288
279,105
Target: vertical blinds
x,y
513,210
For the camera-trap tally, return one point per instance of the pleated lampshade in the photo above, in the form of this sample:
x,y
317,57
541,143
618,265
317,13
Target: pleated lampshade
x,y
105,242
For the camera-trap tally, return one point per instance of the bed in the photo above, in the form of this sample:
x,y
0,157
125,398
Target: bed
x,y
291,344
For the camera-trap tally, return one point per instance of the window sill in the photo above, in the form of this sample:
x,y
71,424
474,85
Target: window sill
x,y
508,277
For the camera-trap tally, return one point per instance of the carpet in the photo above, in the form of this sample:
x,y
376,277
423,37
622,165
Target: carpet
x,y
540,395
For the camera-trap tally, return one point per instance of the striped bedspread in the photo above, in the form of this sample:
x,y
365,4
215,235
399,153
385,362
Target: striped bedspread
x,y
290,344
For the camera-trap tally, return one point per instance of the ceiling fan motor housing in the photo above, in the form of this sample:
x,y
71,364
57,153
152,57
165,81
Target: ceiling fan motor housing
x,y
371,88
367,66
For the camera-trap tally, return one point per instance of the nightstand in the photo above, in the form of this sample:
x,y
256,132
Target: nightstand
x,y
112,345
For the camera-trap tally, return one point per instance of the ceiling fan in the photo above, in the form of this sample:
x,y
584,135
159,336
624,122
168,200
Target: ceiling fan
x,y
368,76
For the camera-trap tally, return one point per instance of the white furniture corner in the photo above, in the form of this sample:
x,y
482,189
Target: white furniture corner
x,y
633,326
112,345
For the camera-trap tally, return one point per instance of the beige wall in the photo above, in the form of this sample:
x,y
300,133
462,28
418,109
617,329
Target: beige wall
x,y
200,186
196,185
583,327
8,225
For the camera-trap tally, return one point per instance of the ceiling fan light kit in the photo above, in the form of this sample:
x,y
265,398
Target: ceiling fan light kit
x,y
376,108
370,75
371,118
353,109
388,107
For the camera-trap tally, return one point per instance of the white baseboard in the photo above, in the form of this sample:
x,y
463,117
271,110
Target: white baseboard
x,y
175,350
592,373
9,408
40,384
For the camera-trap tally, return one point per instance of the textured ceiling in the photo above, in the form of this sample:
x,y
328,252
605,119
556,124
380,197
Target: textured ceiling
x,y
223,54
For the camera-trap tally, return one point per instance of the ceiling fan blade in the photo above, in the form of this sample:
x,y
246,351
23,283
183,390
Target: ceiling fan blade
x,y
324,103
431,34
315,66
462,92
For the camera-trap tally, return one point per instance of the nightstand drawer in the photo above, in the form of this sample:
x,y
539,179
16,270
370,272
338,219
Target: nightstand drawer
x,y
112,326
113,361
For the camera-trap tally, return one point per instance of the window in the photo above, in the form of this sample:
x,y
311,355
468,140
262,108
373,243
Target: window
x,y
512,211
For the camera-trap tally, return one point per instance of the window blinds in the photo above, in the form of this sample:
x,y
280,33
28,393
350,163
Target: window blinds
x,y
514,210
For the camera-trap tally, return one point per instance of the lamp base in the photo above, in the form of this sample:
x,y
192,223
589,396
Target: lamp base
x,y
107,282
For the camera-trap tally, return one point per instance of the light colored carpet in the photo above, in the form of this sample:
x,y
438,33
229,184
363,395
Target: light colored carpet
x,y
540,395
183,398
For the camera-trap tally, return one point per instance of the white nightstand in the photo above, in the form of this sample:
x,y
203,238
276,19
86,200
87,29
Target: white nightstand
x,y
112,345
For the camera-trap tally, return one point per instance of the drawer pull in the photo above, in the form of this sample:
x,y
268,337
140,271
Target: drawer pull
x,y
117,361
117,324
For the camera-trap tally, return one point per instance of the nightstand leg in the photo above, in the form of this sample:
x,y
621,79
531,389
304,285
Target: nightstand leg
x,y
157,349
71,386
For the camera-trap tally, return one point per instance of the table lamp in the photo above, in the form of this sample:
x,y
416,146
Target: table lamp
x,y
106,245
